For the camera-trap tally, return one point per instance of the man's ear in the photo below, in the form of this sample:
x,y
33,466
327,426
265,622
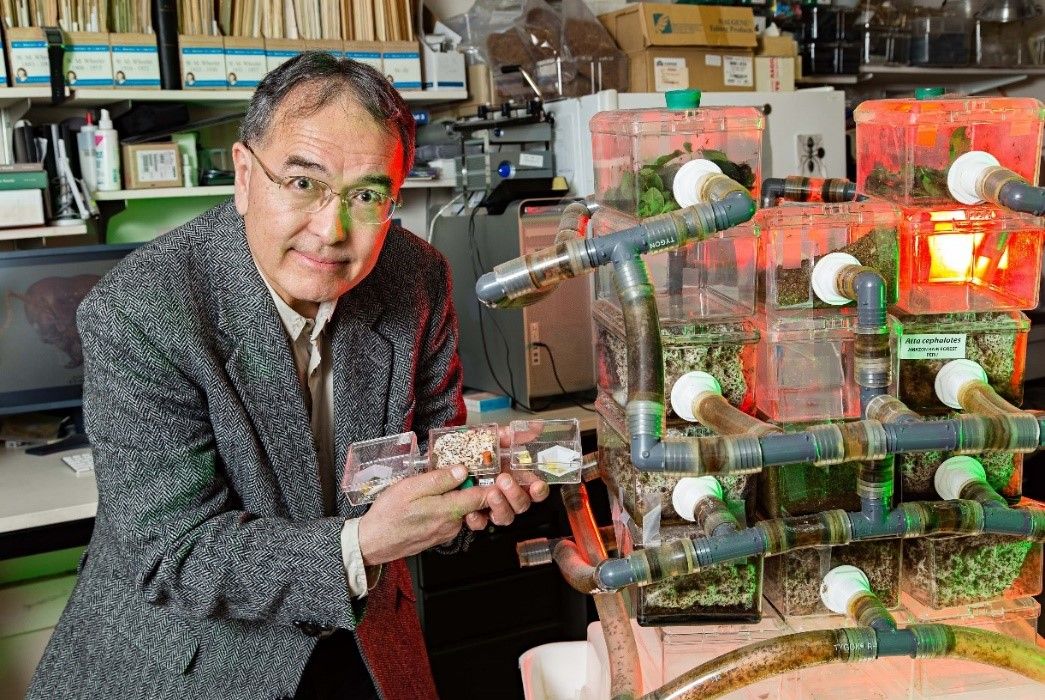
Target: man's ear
x,y
242,162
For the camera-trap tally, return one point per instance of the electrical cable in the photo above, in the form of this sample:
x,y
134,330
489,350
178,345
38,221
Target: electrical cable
x,y
571,395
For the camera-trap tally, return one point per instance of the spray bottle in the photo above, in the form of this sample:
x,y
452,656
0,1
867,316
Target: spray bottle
x,y
85,152
106,154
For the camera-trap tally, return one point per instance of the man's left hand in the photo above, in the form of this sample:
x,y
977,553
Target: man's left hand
x,y
511,494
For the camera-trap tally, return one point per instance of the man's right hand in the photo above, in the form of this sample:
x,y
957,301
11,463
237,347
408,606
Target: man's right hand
x,y
416,514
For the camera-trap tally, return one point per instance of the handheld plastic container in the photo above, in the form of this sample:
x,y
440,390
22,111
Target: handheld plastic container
x,y
707,280
806,368
637,151
724,350
969,259
904,147
646,496
954,570
924,344
549,448
727,592
373,465
792,580
477,447
796,236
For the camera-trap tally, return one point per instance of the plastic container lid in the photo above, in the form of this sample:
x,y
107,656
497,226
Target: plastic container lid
x,y
926,93
682,99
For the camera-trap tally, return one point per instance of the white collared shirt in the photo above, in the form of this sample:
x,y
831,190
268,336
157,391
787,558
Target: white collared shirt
x,y
311,348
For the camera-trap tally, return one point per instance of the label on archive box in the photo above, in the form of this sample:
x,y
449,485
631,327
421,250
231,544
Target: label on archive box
x,y
245,66
926,346
88,64
203,67
670,74
403,69
29,64
738,71
135,65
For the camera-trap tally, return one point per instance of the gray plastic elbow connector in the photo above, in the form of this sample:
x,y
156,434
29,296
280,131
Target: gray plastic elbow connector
x,y
772,189
490,290
613,574
738,208
870,300
1023,197
647,453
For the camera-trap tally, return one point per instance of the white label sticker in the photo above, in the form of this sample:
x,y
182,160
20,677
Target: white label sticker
x,y
738,71
712,59
932,347
531,160
670,74
157,166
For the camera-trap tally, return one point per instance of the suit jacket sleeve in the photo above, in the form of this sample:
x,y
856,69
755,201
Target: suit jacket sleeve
x,y
187,541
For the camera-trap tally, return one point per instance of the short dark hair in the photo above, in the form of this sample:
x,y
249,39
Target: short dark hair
x,y
329,78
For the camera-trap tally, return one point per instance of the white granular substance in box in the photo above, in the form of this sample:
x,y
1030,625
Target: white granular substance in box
x,y
472,448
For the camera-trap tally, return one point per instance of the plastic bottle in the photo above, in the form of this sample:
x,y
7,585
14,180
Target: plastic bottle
x,y
85,151
106,154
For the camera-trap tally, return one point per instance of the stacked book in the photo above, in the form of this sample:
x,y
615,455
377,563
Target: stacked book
x,y
22,188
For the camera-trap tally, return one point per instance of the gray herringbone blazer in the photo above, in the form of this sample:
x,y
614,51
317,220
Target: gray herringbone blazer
x,y
210,541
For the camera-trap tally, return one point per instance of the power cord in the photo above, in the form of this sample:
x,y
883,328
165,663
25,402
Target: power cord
x,y
571,395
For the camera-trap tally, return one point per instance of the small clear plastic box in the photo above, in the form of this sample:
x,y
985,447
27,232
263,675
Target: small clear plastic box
x,y
374,465
549,448
476,447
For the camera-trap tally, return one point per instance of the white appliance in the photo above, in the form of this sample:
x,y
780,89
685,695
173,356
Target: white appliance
x,y
804,134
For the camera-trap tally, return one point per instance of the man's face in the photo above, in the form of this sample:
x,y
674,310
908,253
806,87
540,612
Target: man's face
x,y
312,258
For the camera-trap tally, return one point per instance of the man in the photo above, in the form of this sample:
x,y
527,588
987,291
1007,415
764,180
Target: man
x,y
228,367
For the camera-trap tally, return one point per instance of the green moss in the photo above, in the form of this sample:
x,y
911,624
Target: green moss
x,y
917,471
716,591
948,571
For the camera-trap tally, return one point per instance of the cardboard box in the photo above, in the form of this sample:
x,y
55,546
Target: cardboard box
x,y
87,61
676,68
135,61
21,208
368,52
202,62
279,51
401,63
27,56
147,165
3,69
775,73
245,62
783,45
642,25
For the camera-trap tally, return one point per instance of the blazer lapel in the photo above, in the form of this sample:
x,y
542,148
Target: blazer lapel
x,y
260,367
362,365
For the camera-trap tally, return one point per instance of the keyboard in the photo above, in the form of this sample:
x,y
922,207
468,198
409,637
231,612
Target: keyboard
x,y
80,462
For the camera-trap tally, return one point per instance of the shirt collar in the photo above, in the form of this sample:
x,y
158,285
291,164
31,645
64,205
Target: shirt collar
x,y
295,323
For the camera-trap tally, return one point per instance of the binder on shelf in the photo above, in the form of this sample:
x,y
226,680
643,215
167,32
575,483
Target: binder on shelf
x,y
135,61
279,51
368,52
27,56
335,47
401,64
245,62
3,69
88,60
202,62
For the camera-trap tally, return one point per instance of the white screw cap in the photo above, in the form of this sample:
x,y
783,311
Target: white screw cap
x,y
688,179
965,172
691,490
841,585
953,376
825,277
952,476
688,387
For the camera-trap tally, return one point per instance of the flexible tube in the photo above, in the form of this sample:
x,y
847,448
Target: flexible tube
x,y
574,567
866,287
796,188
625,673
793,652
980,397
713,411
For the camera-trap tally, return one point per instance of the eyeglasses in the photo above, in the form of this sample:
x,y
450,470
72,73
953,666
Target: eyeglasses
x,y
309,195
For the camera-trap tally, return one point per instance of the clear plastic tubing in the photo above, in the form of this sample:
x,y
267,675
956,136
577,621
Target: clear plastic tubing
x,y
713,411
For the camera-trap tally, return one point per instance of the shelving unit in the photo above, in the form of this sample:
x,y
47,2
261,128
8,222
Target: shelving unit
x,y
164,193
11,234
967,79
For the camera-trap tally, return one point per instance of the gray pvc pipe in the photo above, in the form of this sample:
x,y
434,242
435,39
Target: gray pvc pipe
x,y
1023,197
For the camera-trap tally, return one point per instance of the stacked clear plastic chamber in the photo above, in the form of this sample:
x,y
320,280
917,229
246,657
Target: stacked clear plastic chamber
x,y
742,307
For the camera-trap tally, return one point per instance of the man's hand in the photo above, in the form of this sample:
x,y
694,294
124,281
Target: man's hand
x,y
512,492
417,513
